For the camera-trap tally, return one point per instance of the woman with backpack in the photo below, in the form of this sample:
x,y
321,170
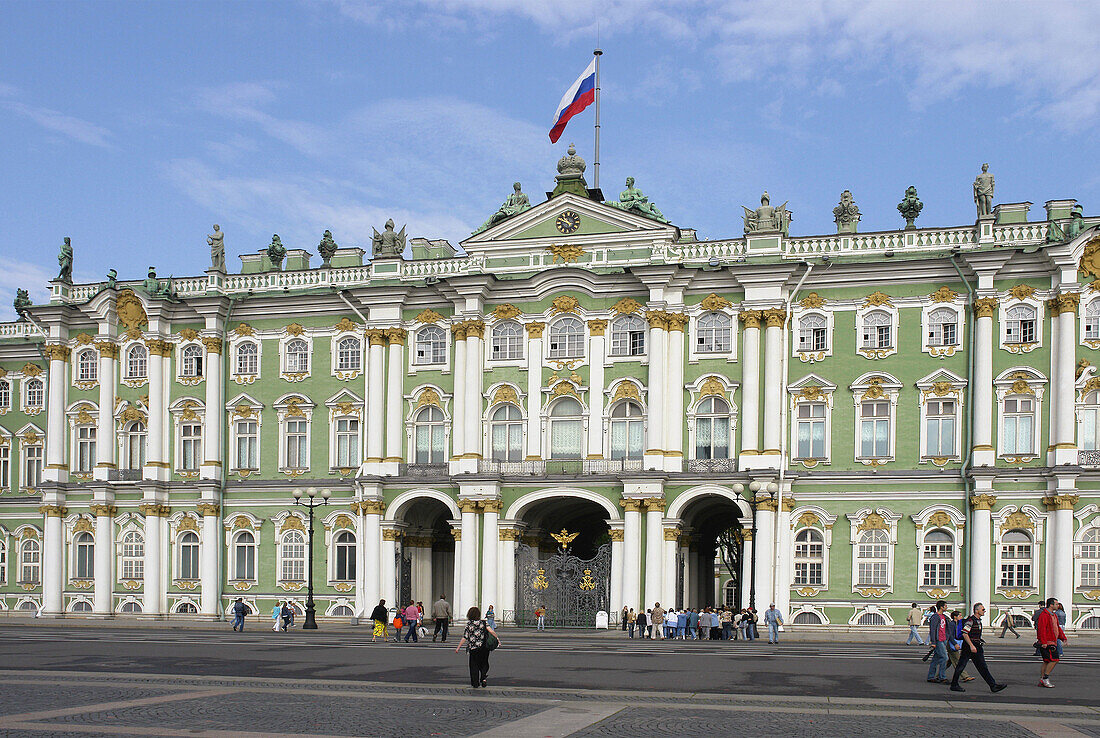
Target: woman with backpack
x,y
480,639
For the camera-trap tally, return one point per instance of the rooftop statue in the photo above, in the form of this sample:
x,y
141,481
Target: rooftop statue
x,y
388,244
846,214
327,248
766,218
570,166
983,192
217,249
634,200
112,279
151,285
1071,230
22,301
910,207
276,252
516,203
65,259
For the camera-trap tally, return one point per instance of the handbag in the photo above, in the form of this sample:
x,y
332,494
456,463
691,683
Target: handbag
x,y
491,642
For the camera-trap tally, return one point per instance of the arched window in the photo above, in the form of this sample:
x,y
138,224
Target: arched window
x,y
87,366
297,356
567,339
809,558
134,445
506,429
30,561
189,555
83,556
1020,324
939,559
1019,425
626,431
349,354
34,393
244,556
712,429
191,361
1089,559
714,333
1091,623
871,618
133,556
873,559
292,557
342,611
729,593
248,358
137,362
812,333
131,608
877,330
428,436
507,341
347,443
431,345
85,447
1089,414
807,618
943,325
5,394
566,429
628,336
1016,559
186,608
81,606
343,544
1092,320
28,606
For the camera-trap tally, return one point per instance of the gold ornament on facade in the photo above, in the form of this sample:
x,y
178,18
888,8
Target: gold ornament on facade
x,y
344,325
1061,502
1017,520
375,336
540,581
597,327
617,534
131,414
428,316
1092,594
870,591
627,390
938,593
103,511
56,352
83,339
244,329
564,538
242,523
508,534
396,336
243,411
982,502
186,584
1090,258
506,312
630,504
810,392
83,525
208,508
587,583
428,397
129,310
491,506
808,520
391,534
807,591
751,318
106,349
294,329
940,519
242,586
292,522
31,438
534,330
944,294
31,370
564,387
1022,292
812,301
467,506
874,391
1016,594
774,317
188,407
564,304
346,408
872,521
505,393
657,319
672,534
1066,303
84,417
985,307
1020,384
566,252
676,321
158,347
713,303
213,344
187,523
712,387
343,586
626,306
877,299
294,409
341,521
189,334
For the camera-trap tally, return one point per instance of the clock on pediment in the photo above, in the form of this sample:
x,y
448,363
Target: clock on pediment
x,y
568,222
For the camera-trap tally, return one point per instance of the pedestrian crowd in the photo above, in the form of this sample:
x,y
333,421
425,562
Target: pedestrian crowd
x,y
702,624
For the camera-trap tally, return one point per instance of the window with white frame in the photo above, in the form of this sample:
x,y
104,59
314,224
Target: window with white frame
x,y
296,435
1020,324
943,327
87,366
1092,320
809,558
939,559
85,448
1088,412
248,444
628,336
1016,560
874,429
133,445
343,550
292,557
244,555
32,465
429,428
1018,422
567,339
506,433
296,356
810,430
34,390
186,608
247,358
1088,559
712,429
347,443
190,446
939,428
626,431
30,561
566,429
713,334
431,345
507,341
5,466
133,556
349,354
191,361
83,556
137,362
3,562
5,394
132,607
812,333
877,330
188,548
873,559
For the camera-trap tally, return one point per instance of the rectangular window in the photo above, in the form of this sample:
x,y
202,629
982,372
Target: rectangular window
x,y
347,443
1090,575
85,448
811,430
874,430
5,467
1020,331
429,444
808,573
189,560
191,452
133,560
30,562
939,427
872,574
942,334
1016,575
247,445
1092,328
1088,440
32,466
1019,426
297,456
938,565
812,339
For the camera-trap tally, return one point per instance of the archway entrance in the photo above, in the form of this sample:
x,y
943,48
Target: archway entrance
x,y
425,558
710,560
563,563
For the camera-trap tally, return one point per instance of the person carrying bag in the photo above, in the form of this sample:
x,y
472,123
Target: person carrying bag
x,y
479,639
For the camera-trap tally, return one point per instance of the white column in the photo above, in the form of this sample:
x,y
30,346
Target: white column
x,y
475,367
617,601
632,553
376,386
691,576
782,576
671,546
1064,427
654,544
674,395
394,394
596,358
369,589
214,418
468,562
1060,548
456,599
765,552
53,559
57,384
153,585
210,571
490,546
507,588
534,390
387,565
750,386
773,382
104,556
156,456
658,376
458,419
746,567
105,446
982,388
981,569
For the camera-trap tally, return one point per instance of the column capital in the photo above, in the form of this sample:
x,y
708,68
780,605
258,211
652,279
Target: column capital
x,y
630,504
106,349
677,321
774,317
618,534
672,534
509,534
491,506
469,506
1061,502
208,509
534,329
456,533
369,507
1064,303
746,534
56,351
154,510
396,336
104,511
654,504
474,328
376,336
391,534
657,319
982,502
213,344
751,318
788,504
985,306
597,327
768,504
159,347
53,511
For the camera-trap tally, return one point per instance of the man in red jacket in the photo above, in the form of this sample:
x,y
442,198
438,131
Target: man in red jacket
x,y
1048,633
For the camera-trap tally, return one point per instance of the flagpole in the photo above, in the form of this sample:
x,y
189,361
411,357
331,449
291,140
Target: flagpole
x,y
596,164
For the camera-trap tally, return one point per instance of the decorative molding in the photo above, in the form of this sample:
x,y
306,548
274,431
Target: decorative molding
x,y
1090,259
428,316
506,312
244,329
130,312
627,390
1022,292
877,299
189,334
566,252
808,520
812,301
534,330
564,304
1018,519
31,370
428,397
505,393
943,294
713,303
626,306
712,387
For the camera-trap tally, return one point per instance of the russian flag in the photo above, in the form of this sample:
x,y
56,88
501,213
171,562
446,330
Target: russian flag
x,y
579,96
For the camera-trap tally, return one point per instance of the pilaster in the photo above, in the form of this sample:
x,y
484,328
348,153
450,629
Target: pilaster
x,y
534,390
597,348
104,569
982,388
394,398
56,468
654,457
105,425
674,397
210,565
214,418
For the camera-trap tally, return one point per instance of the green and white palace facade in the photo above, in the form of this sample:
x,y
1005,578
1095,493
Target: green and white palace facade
x,y
913,414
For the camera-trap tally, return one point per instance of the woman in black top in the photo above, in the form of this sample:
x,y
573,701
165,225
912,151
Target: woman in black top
x,y
379,615
476,638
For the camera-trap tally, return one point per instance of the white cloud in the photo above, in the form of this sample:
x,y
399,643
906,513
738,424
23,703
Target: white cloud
x,y
58,122
18,274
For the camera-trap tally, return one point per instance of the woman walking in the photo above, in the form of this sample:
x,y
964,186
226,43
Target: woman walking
x,y
476,638
379,615
491,617
276,614
629,619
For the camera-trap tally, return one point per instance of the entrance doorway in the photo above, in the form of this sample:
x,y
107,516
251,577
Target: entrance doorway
x,y
425,558
710,560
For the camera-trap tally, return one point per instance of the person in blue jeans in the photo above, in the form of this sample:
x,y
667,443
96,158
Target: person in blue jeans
x,y
693,623
773,619
937,638
239,611
681,624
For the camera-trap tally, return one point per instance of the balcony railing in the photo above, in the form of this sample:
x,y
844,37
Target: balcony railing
x,y
425,471
124,475
1088,458
711,466
566,467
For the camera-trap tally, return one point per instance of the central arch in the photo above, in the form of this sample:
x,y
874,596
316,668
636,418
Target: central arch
x,y
424,565
711,566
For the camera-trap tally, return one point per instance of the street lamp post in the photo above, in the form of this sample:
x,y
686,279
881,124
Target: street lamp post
x,y
311,502
754,487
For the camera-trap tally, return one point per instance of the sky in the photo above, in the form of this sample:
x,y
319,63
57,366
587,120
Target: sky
x,y
132,127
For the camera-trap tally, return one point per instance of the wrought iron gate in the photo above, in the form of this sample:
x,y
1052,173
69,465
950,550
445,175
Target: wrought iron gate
x,y
571,589
404,579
